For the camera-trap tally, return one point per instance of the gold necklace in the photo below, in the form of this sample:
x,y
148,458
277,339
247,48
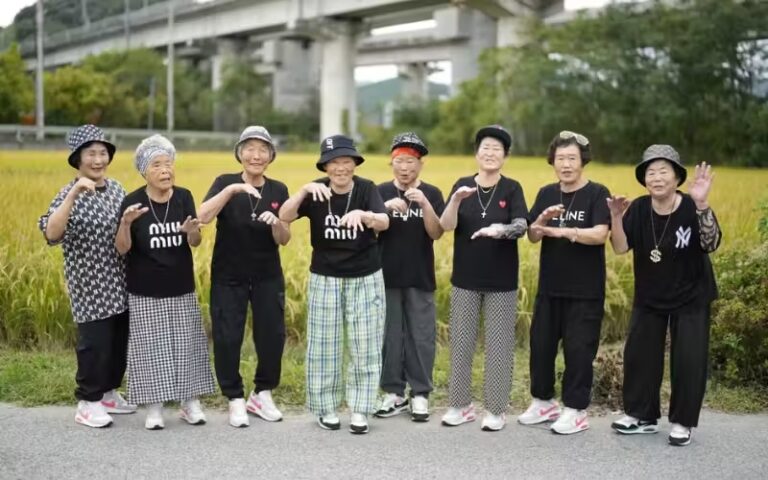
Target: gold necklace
x,y
656,253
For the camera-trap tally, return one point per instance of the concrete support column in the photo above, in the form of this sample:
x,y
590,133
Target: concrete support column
x,y
416,85
294,78
482,35
511,31
226,50
338,102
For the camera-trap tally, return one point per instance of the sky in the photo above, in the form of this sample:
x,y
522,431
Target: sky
x,y
9,9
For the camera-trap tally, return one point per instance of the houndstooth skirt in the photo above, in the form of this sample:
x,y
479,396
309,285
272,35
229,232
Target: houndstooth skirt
x,y
167,350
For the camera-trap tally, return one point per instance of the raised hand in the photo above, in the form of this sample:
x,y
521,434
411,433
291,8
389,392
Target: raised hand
x,y
396,204
84,184
492,231
354,220
700,184
132,213
552,212
190,224
416,196
463,192
617,204
319,192
269,218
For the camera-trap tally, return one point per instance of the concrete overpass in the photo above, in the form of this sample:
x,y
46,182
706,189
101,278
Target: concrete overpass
x,y
306,43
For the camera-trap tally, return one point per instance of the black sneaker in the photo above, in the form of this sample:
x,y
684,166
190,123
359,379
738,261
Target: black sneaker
x,y
391,405
329,421
680,435
631,425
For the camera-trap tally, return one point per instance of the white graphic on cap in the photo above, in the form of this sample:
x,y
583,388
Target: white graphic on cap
x,y
683,237
329,143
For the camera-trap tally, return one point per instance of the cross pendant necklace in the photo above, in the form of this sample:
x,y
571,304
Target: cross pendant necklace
x,y
480,200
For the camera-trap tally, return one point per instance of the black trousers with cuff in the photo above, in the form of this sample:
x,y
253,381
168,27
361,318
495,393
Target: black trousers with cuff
x,y
102,348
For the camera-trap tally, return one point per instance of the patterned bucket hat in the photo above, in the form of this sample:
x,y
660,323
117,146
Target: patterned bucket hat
x,y
660,152
83,136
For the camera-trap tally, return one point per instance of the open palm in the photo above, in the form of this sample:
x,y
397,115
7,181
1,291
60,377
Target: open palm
x,y
699,186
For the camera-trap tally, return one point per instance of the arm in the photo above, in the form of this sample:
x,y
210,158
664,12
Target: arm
x,y
537,232
450,216
57,221
123,241
431,220
290,209
618,204
596,235
211,207
709,229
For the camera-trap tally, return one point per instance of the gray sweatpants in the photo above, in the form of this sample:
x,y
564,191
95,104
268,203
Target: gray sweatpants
x,y
408,354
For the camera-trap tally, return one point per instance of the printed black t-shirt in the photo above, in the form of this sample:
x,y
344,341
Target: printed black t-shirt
x,y
338,251
683,277
407,254
566,269
159,263
245,248
487,264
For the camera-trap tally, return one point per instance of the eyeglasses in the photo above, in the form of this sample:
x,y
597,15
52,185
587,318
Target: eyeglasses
x,y
580,139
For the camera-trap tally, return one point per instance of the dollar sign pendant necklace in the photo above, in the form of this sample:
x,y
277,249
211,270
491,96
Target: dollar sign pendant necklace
x,y
656,253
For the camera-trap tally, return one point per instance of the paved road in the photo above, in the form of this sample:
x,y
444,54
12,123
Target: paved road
x,y
46,443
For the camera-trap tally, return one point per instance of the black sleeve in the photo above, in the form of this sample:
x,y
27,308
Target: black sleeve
x,y
215,189
375,203
601,214
629,222
189,205
438,204
537,207
518,209
282,194
453,189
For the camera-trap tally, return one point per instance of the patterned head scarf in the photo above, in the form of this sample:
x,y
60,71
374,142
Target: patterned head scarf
x,y
151,147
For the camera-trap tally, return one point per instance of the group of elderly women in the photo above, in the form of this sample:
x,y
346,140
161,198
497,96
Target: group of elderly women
x,y
130,276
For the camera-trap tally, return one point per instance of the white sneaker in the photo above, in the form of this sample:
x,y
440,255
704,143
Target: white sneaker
x,y
192,412
456,416
493,423
391,405
154,420
629,425
329,421
115,403
92,414
540,411
419,408
680,436
238,415
571,421
358,423
262,405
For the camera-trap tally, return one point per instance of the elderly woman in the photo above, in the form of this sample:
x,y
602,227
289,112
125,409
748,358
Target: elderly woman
x,y
408,262
570,218
167,349
246,268
671,235
346,286
83,219
488,213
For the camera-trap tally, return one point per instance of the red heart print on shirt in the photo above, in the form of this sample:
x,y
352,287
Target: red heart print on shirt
x,y
502,203
275,205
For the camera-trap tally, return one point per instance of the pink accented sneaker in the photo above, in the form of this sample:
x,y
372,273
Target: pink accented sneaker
x,y
456,416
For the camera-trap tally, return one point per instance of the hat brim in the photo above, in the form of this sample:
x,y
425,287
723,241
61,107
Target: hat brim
x,y
496,133
641,167
256,137
419,148
74,156
336,153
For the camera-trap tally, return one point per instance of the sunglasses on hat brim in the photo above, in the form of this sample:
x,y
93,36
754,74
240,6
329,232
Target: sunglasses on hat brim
x,y
580,139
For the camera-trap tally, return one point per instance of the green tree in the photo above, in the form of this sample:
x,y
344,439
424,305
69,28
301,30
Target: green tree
x,y
75,95
16,87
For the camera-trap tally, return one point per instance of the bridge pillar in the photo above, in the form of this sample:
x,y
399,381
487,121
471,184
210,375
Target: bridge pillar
x,y
295,77
481,31
416,84
338,103
226,51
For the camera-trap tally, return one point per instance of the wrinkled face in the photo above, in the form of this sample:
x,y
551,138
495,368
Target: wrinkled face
x,y
160,172
567,164
341,170
490,154
406,168
255,156
660,178
94,160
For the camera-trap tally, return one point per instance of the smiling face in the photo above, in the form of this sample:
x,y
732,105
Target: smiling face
x,y
406,169
94,160
568,164
255,155
660,178
160,173
490,155
340,171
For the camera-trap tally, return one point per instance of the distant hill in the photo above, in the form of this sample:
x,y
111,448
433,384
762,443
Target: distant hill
x,y
373,98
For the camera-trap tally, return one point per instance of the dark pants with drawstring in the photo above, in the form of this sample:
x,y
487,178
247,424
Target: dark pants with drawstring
x,y
102,348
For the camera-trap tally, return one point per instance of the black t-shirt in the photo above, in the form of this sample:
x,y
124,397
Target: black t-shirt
x,y
684,276
339,251
407,256
487,264
245,248
566,269
159,263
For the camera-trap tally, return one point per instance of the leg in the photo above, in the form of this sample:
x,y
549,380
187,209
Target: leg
x,y
94,355
268,307
119,350
392,362
229,304
324,344
364,313
689,358
581,336
500,313
544,337
465,317
644,364
421,334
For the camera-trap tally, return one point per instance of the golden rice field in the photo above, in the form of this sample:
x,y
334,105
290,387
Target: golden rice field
x,y
34,310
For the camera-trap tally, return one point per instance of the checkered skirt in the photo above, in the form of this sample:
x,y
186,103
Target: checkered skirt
x,y
167,350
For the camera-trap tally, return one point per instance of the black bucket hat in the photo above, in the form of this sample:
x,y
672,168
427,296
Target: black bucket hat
x,y
83,136
495,131
411,140
337,146
660,152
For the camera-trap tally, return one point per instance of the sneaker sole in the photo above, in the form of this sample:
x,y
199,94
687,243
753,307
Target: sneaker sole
x,y
677,443
569,432
358,430
329,426
239,425
387,414
88,423
448,424
540,420
155,427
419,417
259,413
115,411
200,421
486,428
637,431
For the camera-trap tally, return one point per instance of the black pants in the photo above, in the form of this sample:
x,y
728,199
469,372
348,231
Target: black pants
x,y
577,322
229,309
102,347
644,364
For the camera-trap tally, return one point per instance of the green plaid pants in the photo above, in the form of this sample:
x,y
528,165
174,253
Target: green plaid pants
x,y
335,304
